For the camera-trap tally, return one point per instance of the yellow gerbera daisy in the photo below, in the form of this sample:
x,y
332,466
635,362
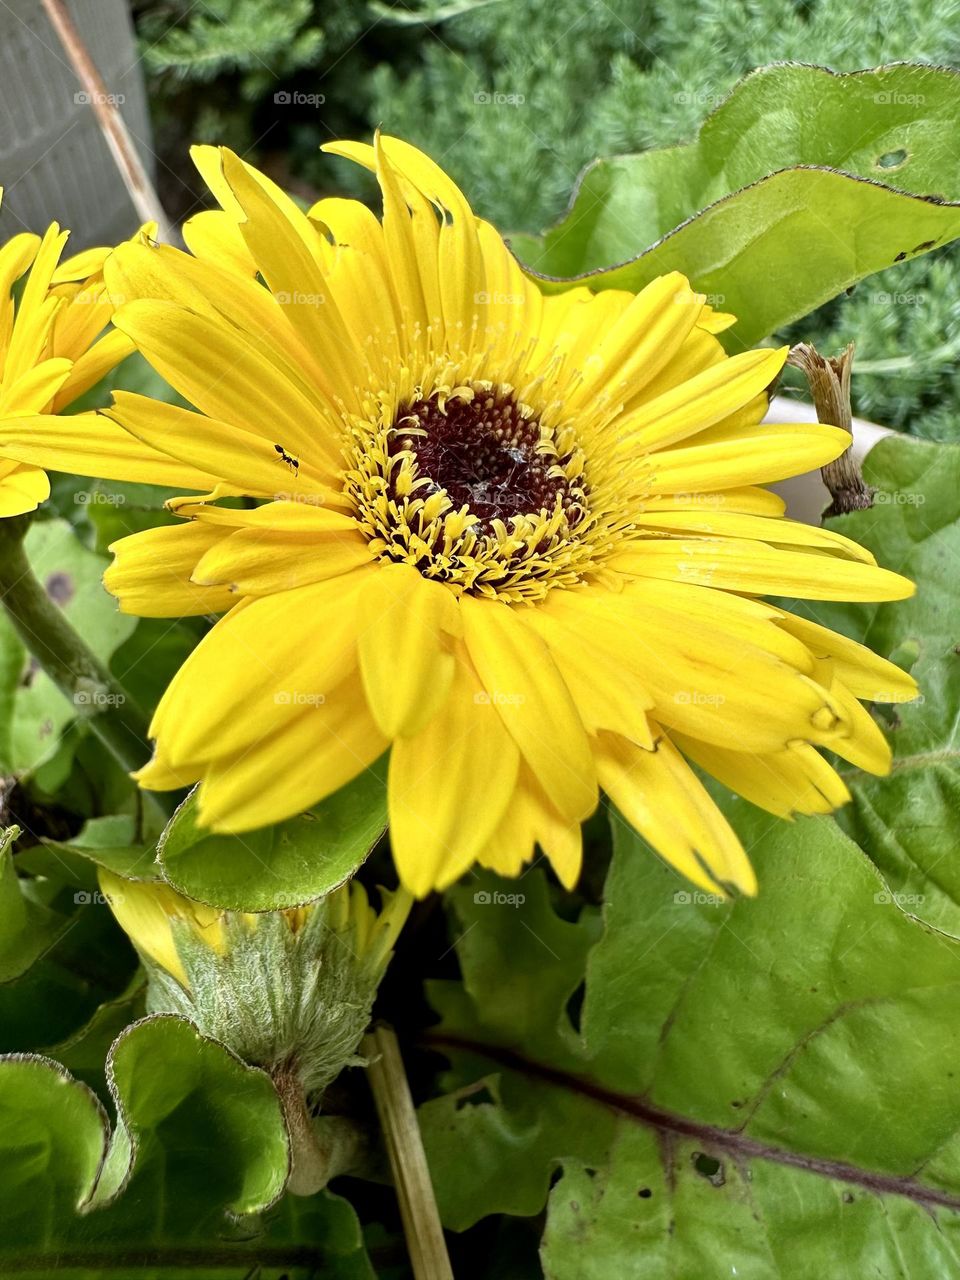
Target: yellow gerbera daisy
x,y
517,540
52,346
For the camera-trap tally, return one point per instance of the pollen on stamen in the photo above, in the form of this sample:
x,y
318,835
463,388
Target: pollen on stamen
x,y
477,488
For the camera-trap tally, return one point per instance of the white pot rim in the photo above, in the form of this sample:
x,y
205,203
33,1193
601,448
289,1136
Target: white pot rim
x,y
807,496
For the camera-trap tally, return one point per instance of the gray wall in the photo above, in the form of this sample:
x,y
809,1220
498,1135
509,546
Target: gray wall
x,y
54,163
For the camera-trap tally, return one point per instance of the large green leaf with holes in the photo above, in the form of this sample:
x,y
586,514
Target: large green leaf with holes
x,y
760,1088
799,185
909,823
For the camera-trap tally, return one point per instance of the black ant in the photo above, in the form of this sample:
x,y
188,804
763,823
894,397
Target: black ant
x,y
292,463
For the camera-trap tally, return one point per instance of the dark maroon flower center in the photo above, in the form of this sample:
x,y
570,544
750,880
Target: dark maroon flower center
x,y
484,453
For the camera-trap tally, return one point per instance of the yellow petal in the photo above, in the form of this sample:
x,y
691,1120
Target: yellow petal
x,y
530,819
89,444
521,679
795,780
31,392
701,401
751,455
22,490
145,911
224,373
215,237
285,652
864,673
150,575
658,794
279,238
93,365
757,528
263,561
319,748
736,564
405,653
449,786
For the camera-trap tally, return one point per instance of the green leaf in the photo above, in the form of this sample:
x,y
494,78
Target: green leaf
x,y
170,1084
280,866
801,184
200,1139
89,962
909,823
109,842
53,1140
72,576
754,1082
27,927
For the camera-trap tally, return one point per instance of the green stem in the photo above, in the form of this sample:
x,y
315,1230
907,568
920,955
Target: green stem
x,y
79,674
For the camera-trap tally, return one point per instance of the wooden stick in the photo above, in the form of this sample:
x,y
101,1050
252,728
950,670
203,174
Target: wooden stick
x,y
111,122
408,1162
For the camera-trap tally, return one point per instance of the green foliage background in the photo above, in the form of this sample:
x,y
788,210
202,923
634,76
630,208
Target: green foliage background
x,y
576,81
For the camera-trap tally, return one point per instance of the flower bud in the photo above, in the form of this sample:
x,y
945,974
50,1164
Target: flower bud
x,y
290,991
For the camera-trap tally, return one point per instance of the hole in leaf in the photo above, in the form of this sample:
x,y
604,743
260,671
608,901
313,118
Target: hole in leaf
x,y
708,1167
891,159
644,1193
475,1096
575,1006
